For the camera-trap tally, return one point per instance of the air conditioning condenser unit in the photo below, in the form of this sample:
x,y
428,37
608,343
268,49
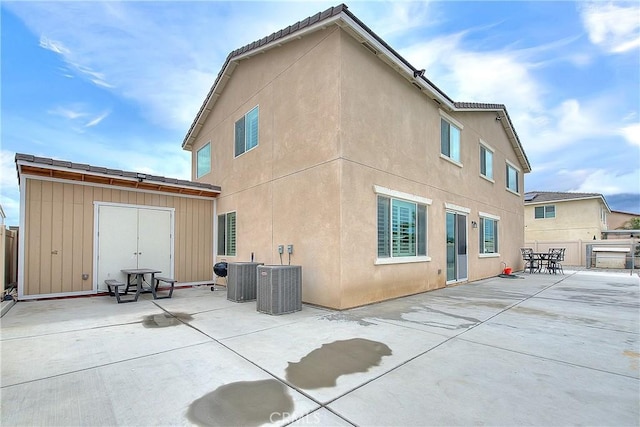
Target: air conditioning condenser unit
x,y
279,289
241,281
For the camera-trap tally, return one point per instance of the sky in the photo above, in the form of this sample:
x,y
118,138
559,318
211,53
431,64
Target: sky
x,y
117,84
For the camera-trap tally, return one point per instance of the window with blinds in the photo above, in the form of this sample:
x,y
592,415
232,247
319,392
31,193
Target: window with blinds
x,y
246,132
402,228
227,234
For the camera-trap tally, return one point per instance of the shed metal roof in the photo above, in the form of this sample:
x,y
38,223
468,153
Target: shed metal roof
x,y
27,164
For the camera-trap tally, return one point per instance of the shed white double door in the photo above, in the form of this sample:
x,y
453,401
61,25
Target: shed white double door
x,y
132,237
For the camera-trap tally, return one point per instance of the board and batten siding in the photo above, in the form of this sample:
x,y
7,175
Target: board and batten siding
x,y
59,234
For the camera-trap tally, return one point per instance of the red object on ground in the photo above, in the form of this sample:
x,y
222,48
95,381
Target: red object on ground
x,y
508,270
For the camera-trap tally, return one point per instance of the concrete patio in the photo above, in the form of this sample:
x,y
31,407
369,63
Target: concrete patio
x,y
538,350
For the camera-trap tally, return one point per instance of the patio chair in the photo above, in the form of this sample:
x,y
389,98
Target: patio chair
x,y
556,255
530,261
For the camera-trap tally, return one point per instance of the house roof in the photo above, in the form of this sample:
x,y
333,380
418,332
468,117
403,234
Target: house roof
x,y
341,16
27,164
538,197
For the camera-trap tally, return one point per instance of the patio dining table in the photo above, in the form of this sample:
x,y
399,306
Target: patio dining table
x,y
137,274
540,258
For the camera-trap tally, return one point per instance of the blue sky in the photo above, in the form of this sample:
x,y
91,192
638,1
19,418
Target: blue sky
x,y
117,84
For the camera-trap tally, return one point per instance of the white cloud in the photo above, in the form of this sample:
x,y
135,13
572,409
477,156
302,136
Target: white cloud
x,y
9,194
53,45
163,55
388,18
631,133
96,120
604,181
615,27
67,112
79,112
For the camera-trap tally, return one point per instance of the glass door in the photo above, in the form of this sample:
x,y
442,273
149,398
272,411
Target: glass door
x,y
456,247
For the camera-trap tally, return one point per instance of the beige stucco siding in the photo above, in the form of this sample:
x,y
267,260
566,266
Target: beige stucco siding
x,y
574,220
59,234
303,73
335,121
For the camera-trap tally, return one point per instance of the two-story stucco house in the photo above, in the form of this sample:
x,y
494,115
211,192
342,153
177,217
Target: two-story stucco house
x,y
568,220
322,137
557,216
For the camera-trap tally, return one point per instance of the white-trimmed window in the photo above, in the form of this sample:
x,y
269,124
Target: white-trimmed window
x,y
402,226
203,160
512,178
227,234
486,161
450,137
548,211
246,132
488,235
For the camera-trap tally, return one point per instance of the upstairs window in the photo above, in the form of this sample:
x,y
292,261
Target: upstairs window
x,y
246,136
512,178
545,211
203,160
486,162
227,234
449,140
488,236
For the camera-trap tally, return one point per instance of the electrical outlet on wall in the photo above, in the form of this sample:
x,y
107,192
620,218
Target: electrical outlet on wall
x,y
280,249
290,249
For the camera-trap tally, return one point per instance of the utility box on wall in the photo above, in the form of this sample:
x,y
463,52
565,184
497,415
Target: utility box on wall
x,y
279,289
241,281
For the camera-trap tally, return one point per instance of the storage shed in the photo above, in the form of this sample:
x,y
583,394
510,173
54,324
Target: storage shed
x,y
82,224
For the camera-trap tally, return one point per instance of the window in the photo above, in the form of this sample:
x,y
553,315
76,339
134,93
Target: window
x,y
247,132
402,228
512,178
227,234
203,160
449,140
486,162
488,236
545,212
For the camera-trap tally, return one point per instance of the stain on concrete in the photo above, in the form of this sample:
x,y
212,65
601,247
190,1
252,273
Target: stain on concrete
x,y
345,317
634,359
324,365
164,320
243,403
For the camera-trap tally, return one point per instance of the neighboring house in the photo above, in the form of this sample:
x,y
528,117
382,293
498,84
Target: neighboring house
x,y
556,216
619,221
82,224
567,220
323,137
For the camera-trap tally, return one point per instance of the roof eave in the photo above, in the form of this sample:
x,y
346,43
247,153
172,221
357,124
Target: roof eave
x,y
134,178
507,124
574,199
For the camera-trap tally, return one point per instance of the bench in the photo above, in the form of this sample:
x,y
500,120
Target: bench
x,y
111,283
167,280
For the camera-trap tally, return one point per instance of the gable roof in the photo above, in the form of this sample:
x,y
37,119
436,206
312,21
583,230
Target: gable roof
x,y
27,164
538,197
342,17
